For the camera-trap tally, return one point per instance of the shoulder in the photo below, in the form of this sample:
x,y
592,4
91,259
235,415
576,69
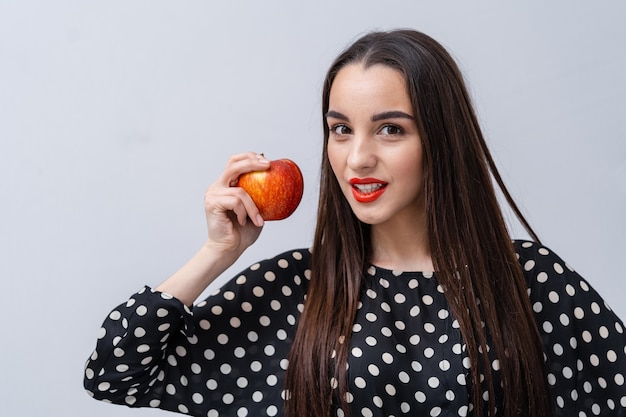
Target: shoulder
x,y
554,285
541,263
294,261
549,278
287,273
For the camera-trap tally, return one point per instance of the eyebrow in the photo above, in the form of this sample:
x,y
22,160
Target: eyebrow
x,y
394,114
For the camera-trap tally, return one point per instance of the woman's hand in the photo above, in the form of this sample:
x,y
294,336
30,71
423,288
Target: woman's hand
x,y
233,220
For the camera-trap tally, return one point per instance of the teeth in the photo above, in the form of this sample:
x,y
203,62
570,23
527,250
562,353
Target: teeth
x,y
368,188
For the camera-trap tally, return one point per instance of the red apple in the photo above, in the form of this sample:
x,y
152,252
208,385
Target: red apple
x,y
276,191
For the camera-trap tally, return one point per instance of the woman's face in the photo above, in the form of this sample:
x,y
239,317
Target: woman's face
x,y
374,147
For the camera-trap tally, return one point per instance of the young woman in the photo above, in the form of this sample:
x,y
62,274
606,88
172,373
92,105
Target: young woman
x,y
413,300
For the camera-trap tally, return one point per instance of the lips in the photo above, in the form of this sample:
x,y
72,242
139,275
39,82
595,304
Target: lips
x,y
367,190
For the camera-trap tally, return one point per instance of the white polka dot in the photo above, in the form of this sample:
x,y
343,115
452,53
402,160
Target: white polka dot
x,y
404,377
433,382
542,277
547,327
450,395
387,358
104,386
579,313
242,382
558,268
567,372
143,348
429,352
435,411
553,296
557,349
584,286
271,380
460,379
399,298
604,332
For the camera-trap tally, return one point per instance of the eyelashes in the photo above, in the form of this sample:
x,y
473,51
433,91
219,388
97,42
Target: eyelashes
x,y
388,129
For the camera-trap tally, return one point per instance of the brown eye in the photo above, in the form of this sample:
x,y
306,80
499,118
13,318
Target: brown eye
x,y
340,129
391,130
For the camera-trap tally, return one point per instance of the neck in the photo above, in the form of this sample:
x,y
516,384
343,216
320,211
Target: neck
x,y
402,247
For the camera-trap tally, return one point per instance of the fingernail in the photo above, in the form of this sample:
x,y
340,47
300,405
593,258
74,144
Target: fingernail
x,y
259,220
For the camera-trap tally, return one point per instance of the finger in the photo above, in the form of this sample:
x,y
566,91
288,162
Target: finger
x,y
234,199
240,164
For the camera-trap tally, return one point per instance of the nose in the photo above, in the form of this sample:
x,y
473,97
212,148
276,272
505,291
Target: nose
x,y
361,155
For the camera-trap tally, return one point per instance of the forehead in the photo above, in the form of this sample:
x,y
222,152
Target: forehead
x,y
376,84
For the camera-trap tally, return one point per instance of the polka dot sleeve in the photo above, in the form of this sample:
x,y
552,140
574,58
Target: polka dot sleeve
x,y
584,340
226,356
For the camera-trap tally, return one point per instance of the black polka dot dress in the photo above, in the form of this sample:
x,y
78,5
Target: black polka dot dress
x,y
228,355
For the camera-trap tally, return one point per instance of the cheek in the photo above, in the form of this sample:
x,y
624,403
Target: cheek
x,y
411,169
334,160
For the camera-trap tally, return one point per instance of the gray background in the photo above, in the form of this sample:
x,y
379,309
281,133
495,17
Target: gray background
x,y
115,116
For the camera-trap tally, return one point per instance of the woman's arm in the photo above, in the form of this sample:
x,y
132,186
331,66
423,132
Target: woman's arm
x,y
233,223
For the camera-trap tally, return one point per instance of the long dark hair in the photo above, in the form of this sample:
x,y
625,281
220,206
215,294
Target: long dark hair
x,y
471,249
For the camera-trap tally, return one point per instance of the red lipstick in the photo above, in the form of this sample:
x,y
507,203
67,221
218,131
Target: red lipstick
x,y
367,190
